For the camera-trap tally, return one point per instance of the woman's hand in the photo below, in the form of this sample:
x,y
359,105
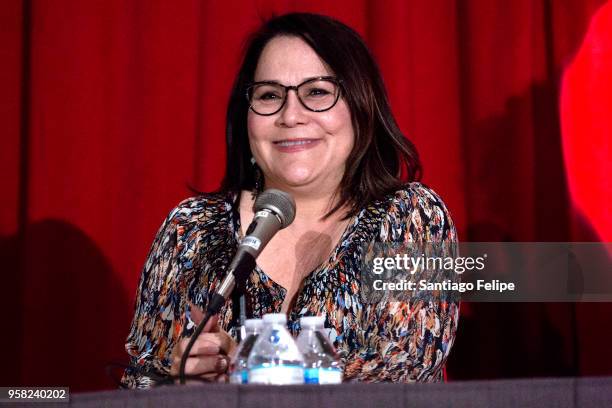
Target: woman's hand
x,y
209,356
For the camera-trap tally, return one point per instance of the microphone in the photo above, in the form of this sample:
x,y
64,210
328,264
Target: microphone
x,y
274,210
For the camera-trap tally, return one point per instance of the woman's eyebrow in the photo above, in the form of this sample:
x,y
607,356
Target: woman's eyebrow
x,y
276,81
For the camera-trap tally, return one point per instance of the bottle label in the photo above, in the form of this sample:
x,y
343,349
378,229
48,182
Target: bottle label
x,y
311,376
277,375
330,376
239,377
322,376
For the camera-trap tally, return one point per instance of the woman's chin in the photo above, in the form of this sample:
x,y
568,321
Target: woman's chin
x,y
297,182
297,178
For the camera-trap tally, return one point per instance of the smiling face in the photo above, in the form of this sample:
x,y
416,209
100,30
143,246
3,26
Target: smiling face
x,y
297,149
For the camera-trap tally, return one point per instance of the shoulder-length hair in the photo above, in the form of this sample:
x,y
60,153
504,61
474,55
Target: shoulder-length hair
x,y
381,155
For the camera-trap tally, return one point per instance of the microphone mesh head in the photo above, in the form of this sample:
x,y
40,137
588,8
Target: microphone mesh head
x,y
279,202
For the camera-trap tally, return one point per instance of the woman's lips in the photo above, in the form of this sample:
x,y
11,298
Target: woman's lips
x,y
295,145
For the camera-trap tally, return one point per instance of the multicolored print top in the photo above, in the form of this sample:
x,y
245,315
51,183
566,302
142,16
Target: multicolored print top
x,y
387,341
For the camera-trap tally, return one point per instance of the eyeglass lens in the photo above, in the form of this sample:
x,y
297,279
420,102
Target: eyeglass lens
x,y
317,95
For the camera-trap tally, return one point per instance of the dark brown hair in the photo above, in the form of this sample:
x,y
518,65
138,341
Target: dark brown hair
x,y
380,153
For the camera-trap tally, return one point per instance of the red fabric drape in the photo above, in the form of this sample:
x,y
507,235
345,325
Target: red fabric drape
x,y
111,108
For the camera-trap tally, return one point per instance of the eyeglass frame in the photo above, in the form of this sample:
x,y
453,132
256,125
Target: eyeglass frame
x,y
287,88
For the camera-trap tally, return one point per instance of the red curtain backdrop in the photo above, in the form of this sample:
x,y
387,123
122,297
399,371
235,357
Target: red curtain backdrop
x,y
111,109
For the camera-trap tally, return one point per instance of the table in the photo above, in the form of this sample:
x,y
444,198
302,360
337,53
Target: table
x,y
542,392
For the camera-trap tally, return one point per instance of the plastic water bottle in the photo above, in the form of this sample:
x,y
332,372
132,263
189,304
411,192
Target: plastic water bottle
x,y
321,363
239,373
275,358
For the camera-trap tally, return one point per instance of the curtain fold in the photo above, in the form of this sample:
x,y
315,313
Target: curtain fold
x,y
112,109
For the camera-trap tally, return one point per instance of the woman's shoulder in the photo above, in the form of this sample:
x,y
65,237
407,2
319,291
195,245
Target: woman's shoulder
x,y
416,194
206,206
417,209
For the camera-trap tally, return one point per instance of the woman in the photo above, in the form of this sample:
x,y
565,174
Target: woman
x,y
315,123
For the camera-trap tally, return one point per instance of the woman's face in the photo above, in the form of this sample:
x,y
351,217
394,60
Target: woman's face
x,y
297,148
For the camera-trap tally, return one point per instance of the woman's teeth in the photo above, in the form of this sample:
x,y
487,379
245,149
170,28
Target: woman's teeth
x,y
286,143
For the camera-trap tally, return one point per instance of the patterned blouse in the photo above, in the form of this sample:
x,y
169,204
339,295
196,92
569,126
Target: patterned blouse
x,y
399,341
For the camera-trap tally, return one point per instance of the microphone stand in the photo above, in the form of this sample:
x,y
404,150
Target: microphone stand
x,y
240,273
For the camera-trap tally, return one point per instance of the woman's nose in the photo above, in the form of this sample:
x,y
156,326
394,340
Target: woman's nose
x,y
293,113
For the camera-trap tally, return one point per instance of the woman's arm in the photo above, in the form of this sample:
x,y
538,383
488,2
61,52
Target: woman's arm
x,y
154,329
163,315
406,341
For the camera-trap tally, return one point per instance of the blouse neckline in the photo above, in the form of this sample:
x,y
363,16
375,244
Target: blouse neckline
x,y
328,264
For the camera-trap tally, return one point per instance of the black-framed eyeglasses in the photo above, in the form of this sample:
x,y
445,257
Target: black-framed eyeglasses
x,y
315,94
